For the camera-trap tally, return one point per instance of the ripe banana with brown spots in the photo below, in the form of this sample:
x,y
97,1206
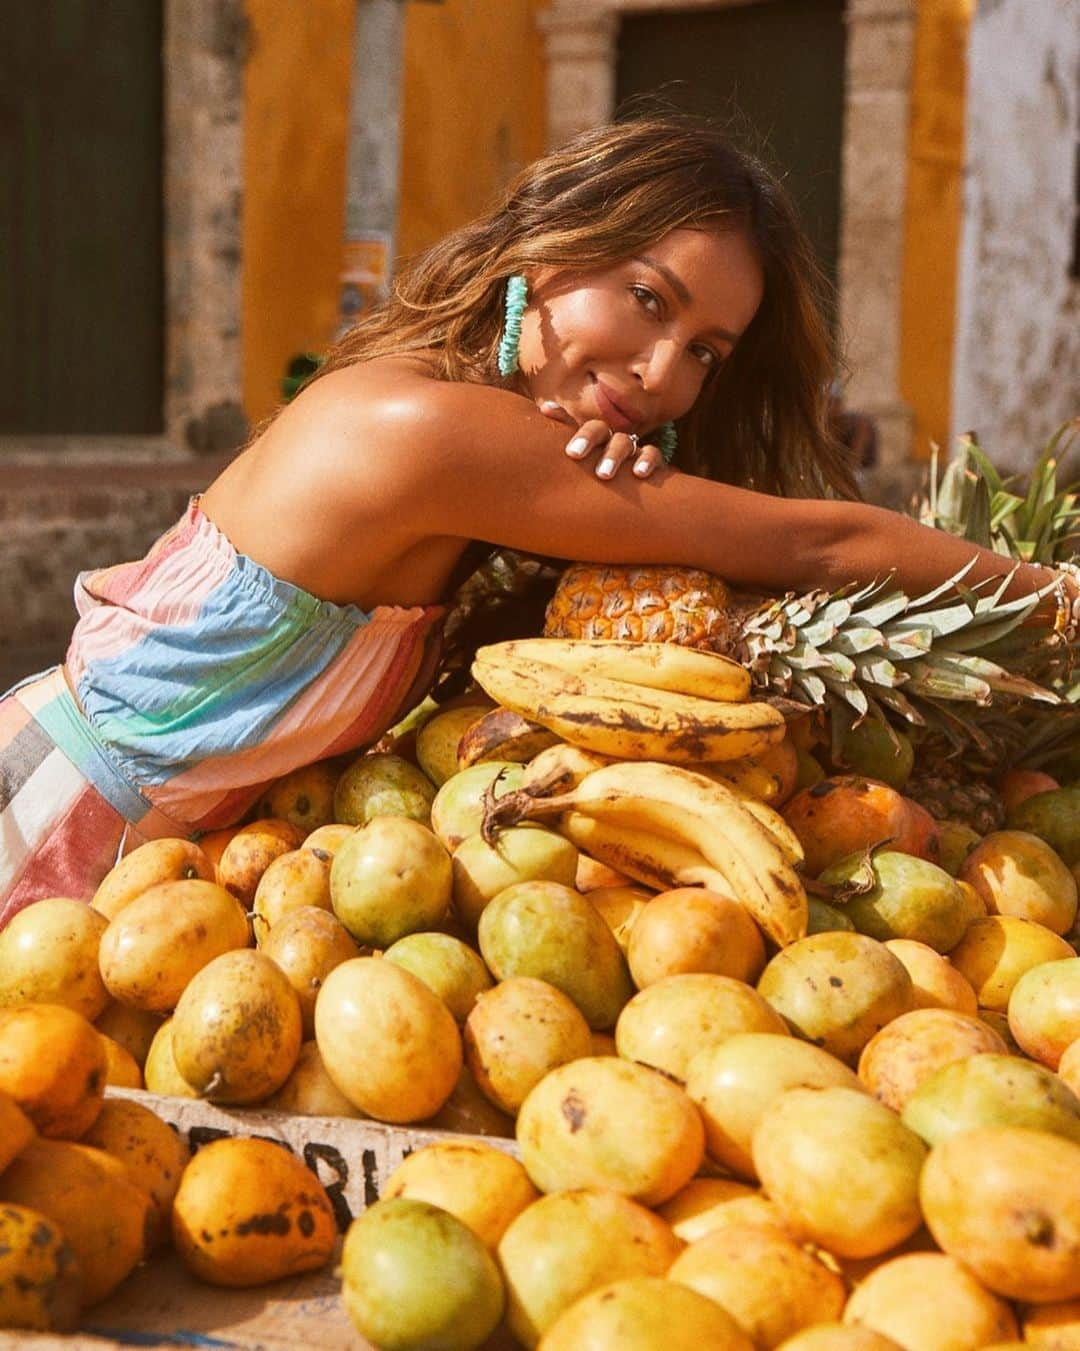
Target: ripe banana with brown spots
x,y
656,860
502,734
657,666
706,818
627,720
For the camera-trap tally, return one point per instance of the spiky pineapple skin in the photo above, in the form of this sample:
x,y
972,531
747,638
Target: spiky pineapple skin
x,y
948,797
644,603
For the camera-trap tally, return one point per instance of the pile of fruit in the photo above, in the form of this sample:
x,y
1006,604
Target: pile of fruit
x,y
788,1061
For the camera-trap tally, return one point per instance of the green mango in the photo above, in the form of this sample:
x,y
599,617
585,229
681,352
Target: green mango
x,y
551,932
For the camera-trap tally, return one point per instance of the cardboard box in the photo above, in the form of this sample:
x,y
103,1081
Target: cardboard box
x,y
161,1304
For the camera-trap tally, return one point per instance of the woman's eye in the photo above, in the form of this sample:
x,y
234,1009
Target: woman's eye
x,y
646,298
706,356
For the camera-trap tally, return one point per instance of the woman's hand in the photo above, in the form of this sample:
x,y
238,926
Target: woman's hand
x,y
616,447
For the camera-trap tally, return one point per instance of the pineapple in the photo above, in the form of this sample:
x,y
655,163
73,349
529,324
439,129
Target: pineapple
x,y
949,795
948,664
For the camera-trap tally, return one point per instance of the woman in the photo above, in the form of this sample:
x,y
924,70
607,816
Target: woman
x,y
646,284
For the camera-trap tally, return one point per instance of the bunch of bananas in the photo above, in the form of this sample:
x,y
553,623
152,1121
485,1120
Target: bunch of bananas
x,y
653,774
634,701
667,826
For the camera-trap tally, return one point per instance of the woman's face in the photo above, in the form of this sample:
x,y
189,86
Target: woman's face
x,y
632,344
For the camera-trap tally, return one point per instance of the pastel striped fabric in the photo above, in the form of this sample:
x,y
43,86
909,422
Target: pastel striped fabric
x,y
201,679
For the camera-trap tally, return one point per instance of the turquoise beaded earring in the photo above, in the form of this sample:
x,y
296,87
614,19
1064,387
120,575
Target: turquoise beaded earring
x,y
517,294
667,441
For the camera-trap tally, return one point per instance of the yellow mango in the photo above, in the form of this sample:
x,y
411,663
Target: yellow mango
x,y
16,1131
160,940
309,1090
154,1154
251,851
89,1195
49,955
567,1244
412,1053
298,878
483,1186
769,1283
519,1031
307,944
166,860
237,1028
669,1022
160,1072
931,1301
52,1062
121,1068
646,1313
581,1127
133,1029
248,1212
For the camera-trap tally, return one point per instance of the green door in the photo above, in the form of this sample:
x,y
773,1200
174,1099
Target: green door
x,y
81,248
774,70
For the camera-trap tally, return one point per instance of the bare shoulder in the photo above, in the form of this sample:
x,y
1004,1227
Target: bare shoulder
x,y
397,412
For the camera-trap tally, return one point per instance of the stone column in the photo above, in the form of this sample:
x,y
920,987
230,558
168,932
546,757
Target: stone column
x,y
879,62
371,192
580,40
204,46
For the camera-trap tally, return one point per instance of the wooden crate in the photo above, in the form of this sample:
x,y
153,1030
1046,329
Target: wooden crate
x,y
161,1304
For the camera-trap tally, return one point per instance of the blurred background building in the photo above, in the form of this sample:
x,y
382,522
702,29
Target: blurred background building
x,y
193,191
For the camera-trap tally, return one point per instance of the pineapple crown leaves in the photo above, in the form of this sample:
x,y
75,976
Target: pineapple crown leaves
x,y
970,498
873,651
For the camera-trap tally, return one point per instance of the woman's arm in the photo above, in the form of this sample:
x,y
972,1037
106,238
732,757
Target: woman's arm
x,y
754,540
373,479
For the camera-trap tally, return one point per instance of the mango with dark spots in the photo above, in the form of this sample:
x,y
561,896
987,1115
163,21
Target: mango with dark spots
x,y
90,1196
40,1284
249,1211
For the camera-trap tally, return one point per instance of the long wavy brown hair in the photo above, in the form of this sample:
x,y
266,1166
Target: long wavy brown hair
x,y
762,421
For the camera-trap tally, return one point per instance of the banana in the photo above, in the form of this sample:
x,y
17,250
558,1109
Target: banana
x,y
669,800
501,734
560,768
713,821
748,776
656,860
618,718
789,843
657,666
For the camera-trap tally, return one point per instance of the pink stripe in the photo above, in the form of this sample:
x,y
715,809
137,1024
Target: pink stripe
x,y
13,718
117,584
78,852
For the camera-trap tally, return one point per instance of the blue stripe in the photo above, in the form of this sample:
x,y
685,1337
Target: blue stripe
x,y
61,720
215,686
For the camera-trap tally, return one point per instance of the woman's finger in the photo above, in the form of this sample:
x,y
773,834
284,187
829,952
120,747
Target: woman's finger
x,y
556,412
588,437
617,450
648,459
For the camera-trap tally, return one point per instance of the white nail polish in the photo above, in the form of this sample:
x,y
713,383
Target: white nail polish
x,y
578,446
642,469
606,468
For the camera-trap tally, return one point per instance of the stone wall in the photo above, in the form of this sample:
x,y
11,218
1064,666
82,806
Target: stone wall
x,y
56,520
1018,330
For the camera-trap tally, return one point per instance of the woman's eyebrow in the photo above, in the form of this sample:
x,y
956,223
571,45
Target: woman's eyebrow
x,y
676,284
670,277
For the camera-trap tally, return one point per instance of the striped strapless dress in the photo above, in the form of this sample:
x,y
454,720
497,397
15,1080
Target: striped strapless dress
x,y
194,679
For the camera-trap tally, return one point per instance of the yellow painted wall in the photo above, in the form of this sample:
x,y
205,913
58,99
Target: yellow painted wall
x,y
473,110
933,216
296,114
